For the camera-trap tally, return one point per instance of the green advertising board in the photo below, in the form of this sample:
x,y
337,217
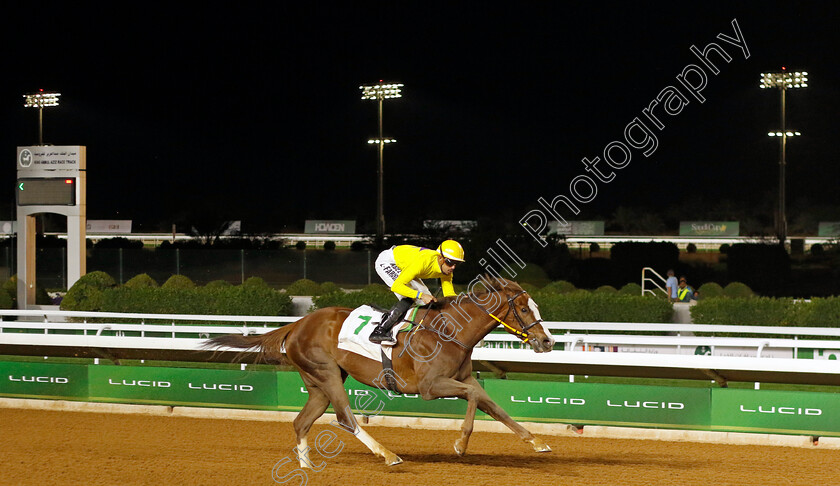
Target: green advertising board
x,y
368,400
709,228
183,386
577,228
43,380
721,409
603,404
778,412
828,229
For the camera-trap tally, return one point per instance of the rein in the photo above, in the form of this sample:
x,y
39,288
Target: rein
x,y
523,334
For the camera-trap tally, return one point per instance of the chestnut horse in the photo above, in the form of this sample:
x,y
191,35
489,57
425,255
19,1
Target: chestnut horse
x,y
433,359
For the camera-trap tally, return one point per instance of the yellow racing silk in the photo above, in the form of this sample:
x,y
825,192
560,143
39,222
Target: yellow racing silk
x,y
418,263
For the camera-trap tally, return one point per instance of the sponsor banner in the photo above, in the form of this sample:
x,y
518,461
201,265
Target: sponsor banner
x,y
107,226
43,380
709,228
454,226
329,227
603,404
577,228
742,352
810,353
772,411
367,400
724,409
828,229
183,386
374,401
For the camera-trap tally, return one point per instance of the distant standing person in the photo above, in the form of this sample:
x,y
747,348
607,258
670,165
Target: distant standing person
x,y
671,286
684,292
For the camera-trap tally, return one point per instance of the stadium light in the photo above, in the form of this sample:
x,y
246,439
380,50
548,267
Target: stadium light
x,y
783,81
380,92
40,100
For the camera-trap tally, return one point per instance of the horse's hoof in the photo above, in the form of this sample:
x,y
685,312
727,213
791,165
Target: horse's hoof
x,y
393,461
459,448
540,446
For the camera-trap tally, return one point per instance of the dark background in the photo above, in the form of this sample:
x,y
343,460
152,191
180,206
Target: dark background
x,y
253,112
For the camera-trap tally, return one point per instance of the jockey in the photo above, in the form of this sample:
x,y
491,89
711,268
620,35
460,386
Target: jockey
x,y
402,268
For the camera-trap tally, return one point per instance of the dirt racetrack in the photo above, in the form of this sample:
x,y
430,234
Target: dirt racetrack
x,y
56,447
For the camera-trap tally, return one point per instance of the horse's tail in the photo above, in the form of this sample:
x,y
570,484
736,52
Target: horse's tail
x,y
269,346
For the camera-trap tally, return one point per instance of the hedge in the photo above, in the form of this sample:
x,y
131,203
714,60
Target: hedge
x,y
232,300
767,311
603,307
86,293
375,294
96,291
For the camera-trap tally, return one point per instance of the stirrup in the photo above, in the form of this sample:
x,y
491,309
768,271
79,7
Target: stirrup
x,y
383,337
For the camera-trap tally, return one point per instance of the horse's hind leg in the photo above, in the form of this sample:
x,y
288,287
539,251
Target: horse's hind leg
x,y
466,428
347,421
315,406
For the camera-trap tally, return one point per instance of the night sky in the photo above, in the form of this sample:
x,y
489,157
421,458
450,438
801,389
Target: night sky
x,y
254,112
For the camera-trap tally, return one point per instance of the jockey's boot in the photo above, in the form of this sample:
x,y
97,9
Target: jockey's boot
x,y
382,333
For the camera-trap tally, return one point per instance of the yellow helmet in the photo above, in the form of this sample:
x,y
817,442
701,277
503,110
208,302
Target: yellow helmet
x,y
452,250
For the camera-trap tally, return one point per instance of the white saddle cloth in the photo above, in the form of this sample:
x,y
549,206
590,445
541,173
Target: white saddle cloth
x,y
355,333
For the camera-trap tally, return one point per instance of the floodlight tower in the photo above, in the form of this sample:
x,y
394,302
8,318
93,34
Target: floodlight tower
x,y
783,80
380,92
40,100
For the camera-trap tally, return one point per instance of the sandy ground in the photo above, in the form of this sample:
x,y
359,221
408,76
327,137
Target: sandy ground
x,y
51,447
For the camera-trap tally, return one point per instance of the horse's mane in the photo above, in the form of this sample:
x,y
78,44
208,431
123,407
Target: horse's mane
x,y
489,284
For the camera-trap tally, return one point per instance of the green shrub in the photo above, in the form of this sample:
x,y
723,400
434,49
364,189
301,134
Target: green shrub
x,y
303,286
329,245
631,288
178,282
710,290
820,312
747,311
606,289
218,283
6,301
533,274
327,287
10,289
530,288
255,283
741,311
604,307
141,281
374,294
737,290
559,287
218,300
86,293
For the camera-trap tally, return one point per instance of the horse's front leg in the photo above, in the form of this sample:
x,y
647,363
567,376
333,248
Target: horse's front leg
x,y
448,387
488,406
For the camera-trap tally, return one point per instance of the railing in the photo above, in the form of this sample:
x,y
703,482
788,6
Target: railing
x,y
779,354
646,279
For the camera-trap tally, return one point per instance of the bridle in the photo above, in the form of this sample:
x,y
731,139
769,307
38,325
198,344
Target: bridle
x,y
523,334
